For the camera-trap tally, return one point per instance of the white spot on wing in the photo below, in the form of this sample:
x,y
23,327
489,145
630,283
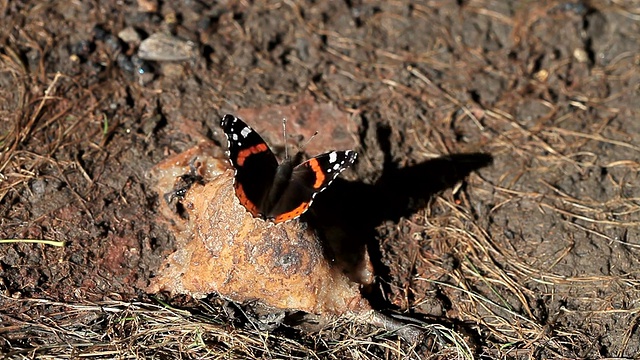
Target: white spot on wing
x,y
246,131
333,156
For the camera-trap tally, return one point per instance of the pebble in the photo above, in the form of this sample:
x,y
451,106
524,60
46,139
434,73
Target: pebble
x,y
129,35
162,47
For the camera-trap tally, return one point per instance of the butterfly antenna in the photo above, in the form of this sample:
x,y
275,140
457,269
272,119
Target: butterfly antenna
x,y
308,141
284,135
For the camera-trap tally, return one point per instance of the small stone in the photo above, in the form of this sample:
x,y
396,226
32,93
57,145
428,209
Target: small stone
x,y
129,35
149,6
541,75
39,187
162,47
581,55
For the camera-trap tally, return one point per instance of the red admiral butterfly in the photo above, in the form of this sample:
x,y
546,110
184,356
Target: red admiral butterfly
x,y
272,191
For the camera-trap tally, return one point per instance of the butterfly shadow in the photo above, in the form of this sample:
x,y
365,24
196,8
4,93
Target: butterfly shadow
x,y
348,212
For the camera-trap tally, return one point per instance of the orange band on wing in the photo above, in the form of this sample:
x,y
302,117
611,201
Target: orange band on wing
x,y
315,166
292,214
242,155
244,201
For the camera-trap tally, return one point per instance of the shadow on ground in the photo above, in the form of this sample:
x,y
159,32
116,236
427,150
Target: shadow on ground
x,y
348,213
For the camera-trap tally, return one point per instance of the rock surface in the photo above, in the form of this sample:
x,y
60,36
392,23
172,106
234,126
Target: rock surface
x,y
222,249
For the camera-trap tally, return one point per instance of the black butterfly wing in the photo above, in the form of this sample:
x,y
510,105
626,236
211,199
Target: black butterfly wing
x,y
307,180
254,162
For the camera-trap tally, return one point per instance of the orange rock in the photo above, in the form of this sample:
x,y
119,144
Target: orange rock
x,y
222,249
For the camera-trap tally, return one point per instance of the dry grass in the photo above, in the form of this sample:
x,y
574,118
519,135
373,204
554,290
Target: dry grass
x,y
136,330
498,283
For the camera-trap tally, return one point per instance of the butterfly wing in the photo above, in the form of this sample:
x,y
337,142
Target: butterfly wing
x,y
254,162
307,180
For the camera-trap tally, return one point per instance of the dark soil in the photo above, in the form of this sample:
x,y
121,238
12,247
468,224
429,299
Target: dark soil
x,y
499,143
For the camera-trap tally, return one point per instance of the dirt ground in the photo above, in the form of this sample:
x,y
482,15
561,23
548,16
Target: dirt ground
x,y
499,143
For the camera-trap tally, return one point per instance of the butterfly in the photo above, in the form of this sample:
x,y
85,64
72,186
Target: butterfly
x,y
275,191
